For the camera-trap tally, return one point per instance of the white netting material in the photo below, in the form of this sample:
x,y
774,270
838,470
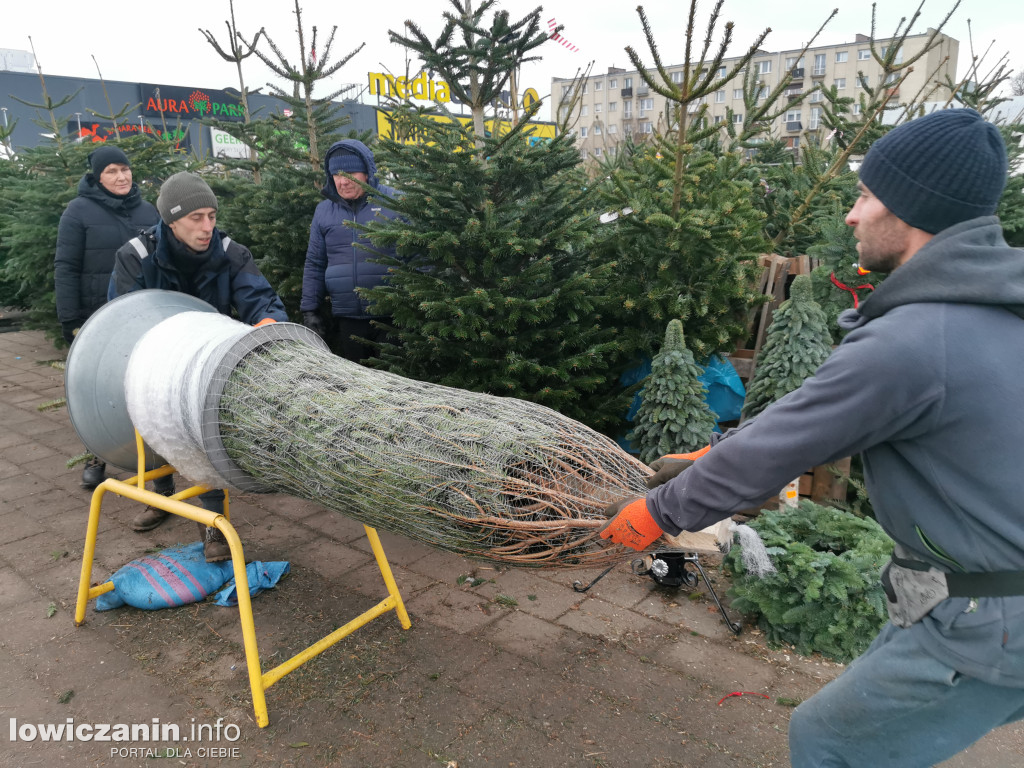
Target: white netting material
x,y
165,387
754,554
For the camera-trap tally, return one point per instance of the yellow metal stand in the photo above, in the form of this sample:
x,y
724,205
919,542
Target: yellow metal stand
x,y
259,681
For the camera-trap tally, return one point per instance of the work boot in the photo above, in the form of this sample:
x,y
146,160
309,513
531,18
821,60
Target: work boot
x,y
151,517
93,473
215,546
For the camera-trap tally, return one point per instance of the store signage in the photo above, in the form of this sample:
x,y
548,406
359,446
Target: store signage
x,y
189,103
96,131
424,89
226,145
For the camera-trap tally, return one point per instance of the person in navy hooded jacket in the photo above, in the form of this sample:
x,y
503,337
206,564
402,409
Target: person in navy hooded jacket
x,y
340,258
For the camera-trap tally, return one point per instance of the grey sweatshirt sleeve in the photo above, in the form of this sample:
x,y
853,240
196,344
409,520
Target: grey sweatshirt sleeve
x,y
879,382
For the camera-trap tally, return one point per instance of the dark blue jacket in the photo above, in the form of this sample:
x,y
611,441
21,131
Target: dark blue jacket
x,y
337,259
227,279
94,225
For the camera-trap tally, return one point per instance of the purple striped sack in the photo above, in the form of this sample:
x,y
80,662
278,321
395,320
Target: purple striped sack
x,y
172,577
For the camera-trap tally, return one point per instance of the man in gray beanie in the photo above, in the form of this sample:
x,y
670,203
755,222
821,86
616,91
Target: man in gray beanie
x,y
926,386
186,252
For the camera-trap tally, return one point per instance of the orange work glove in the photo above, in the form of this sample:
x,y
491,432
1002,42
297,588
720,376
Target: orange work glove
x,y
673,464
265,321
631,524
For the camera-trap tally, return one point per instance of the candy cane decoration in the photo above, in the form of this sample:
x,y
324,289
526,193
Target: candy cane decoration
x,y
552,26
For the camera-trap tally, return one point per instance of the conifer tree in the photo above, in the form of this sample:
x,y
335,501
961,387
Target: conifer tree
x,y
797,343
38,183
673,417
494,289
288,156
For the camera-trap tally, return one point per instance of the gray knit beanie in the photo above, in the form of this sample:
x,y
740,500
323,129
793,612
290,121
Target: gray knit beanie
x,y
938,170
183,193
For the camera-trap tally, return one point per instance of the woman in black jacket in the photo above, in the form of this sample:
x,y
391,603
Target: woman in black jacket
x,y
108,212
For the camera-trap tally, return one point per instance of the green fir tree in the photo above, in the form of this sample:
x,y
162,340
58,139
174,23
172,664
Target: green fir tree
x,y
674,416
797,343
494,289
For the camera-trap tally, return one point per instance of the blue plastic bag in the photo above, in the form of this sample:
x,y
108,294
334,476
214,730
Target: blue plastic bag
x,y
724,396
180,575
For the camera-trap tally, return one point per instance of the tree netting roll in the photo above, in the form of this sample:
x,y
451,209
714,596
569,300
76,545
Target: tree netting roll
x,y
493,478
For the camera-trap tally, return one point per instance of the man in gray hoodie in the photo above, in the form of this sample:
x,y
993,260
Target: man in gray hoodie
x,y
926,386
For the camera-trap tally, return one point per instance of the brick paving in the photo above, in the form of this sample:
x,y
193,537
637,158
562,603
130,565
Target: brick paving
x,y
513,669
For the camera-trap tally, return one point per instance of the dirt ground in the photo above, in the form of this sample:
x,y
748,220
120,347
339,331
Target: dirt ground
x,y
509,668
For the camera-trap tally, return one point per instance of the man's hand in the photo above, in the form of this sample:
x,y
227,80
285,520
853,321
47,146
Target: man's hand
x,y
631,524
314,322
667,467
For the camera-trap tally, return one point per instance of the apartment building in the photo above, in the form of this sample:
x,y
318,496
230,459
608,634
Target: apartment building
x,y
618,103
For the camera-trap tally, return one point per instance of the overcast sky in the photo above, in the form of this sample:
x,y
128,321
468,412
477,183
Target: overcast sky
x,y
160,43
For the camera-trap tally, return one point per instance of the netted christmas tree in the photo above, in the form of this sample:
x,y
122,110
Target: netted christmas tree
x,y
494,290
674,416
797,343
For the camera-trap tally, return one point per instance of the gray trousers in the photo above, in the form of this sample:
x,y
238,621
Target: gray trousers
x,y
896,705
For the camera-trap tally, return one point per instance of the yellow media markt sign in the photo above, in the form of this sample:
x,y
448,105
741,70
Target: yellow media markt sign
x,y
386,128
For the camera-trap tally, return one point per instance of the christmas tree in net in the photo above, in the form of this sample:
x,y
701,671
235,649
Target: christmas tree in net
x,y
674,416
797,343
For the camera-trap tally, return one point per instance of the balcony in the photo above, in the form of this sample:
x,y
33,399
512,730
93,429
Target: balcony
x,y
627,93
818,72
794,126
892,93
797,72
642,90
794,93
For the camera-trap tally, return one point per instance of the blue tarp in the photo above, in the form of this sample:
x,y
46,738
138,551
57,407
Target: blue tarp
x,y
724,396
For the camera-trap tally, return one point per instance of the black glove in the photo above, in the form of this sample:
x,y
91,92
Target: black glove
x,y
314,322
668,467
68,330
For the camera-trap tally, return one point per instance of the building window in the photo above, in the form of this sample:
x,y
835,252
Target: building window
x,y
597,151
627,109
792,62
819,63
764,67
719,97
862,81
899,55
737,119
721,72
816,97
613,106
646,127
856,109
583,133
613,83
627,82
815,118
863,54
597,108
718,119
793,116
613,129
839,83
599,85
646,105
842,57
737,93
585,86
584,110
796,142
597,130
677,77
762,93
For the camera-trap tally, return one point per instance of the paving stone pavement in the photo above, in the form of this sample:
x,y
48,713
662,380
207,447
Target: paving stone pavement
x,y
509,668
